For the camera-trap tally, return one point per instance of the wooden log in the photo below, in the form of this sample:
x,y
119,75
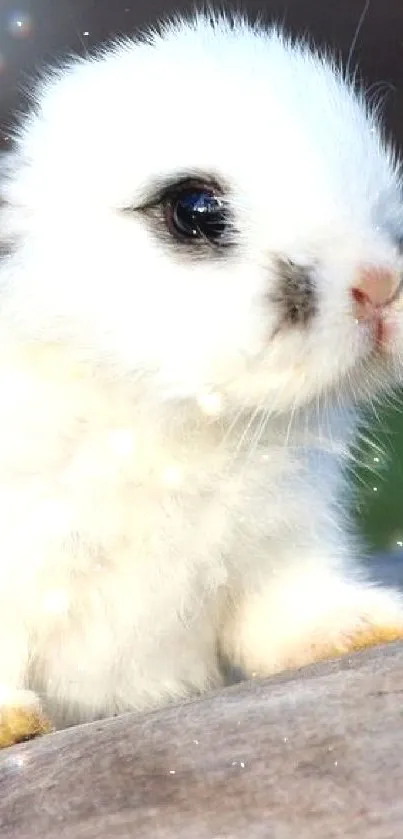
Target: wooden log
x,y
314,754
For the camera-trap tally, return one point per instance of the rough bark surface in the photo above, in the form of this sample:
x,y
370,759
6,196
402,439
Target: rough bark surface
x,y
315,754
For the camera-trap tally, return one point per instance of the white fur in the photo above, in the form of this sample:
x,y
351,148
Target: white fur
x,y
170,469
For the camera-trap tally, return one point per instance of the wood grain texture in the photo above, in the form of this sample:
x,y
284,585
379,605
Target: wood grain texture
x,y
315,754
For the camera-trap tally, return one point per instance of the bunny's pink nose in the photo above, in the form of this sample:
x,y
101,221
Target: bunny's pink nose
x,y
375,288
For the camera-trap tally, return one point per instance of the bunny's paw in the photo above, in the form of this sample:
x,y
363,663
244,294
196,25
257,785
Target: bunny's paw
x,y
21,717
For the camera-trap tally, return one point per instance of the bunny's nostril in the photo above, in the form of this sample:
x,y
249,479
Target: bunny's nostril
x,y
362,306
375,288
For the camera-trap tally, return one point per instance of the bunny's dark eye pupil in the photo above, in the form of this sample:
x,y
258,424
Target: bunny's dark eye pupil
x,y
196,213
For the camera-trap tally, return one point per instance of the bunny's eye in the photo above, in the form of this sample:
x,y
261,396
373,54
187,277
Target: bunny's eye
x,y
196,212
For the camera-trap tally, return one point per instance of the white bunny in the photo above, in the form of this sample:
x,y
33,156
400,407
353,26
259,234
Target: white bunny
x,y
200,282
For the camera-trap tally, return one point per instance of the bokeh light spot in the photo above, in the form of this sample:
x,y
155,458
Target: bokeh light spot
x,y
20,24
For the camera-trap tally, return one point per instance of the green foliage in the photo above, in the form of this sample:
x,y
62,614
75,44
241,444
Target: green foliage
x,y
379,481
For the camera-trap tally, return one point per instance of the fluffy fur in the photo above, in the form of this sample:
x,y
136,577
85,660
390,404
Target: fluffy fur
x,y
171,452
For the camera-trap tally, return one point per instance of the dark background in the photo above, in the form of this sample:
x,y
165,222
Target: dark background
x,y
36,31
49,28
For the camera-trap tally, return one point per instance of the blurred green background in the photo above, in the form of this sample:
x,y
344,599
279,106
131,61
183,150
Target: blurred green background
x,y
379,479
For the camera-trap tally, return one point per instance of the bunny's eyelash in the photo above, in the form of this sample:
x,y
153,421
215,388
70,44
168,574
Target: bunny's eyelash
x,y
158,190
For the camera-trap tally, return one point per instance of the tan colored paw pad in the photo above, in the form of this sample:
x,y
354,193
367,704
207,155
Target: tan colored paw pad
x,y
371,636
18,723
368,635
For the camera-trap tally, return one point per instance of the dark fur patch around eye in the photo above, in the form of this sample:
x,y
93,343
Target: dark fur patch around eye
x,y
295,292
152,208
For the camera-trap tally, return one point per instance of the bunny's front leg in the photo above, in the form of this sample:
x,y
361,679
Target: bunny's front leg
x,y
306,613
